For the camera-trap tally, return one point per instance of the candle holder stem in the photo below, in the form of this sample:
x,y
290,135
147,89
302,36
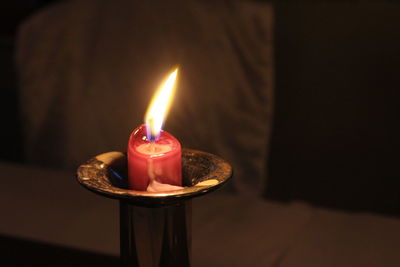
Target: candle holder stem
x,y
153,237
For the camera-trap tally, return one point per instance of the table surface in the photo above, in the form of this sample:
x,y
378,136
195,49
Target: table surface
x,y
50,207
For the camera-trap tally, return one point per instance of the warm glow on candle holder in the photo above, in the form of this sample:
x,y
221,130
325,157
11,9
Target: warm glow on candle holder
x,y
162,219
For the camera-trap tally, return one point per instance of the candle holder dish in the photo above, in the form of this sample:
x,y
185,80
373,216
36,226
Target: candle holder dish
x,y
155,227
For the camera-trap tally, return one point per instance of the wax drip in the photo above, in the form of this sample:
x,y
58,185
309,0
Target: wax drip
x,y
154,185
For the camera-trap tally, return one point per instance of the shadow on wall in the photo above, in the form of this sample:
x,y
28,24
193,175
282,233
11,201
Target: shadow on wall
x,y
336,131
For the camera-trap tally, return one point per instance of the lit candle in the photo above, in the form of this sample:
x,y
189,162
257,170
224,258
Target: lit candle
x,y
154,155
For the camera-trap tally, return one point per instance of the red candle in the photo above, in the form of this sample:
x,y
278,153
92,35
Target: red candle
x,y
154,155
153,163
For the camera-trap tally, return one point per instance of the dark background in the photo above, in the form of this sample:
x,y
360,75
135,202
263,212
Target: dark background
x,y
335,133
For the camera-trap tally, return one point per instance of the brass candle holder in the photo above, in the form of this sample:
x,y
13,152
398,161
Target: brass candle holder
x,y
155,228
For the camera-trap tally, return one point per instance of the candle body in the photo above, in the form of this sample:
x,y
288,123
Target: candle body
x,y
158,161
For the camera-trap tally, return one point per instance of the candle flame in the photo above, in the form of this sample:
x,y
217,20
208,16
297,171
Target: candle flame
x,y
159,106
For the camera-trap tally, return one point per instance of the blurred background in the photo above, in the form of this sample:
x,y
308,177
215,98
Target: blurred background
x,y
335,132
333,140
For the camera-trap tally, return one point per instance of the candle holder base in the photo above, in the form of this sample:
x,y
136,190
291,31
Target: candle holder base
x,y
155,227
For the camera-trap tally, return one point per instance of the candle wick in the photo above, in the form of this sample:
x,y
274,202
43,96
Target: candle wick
x,y
150,130
152,138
